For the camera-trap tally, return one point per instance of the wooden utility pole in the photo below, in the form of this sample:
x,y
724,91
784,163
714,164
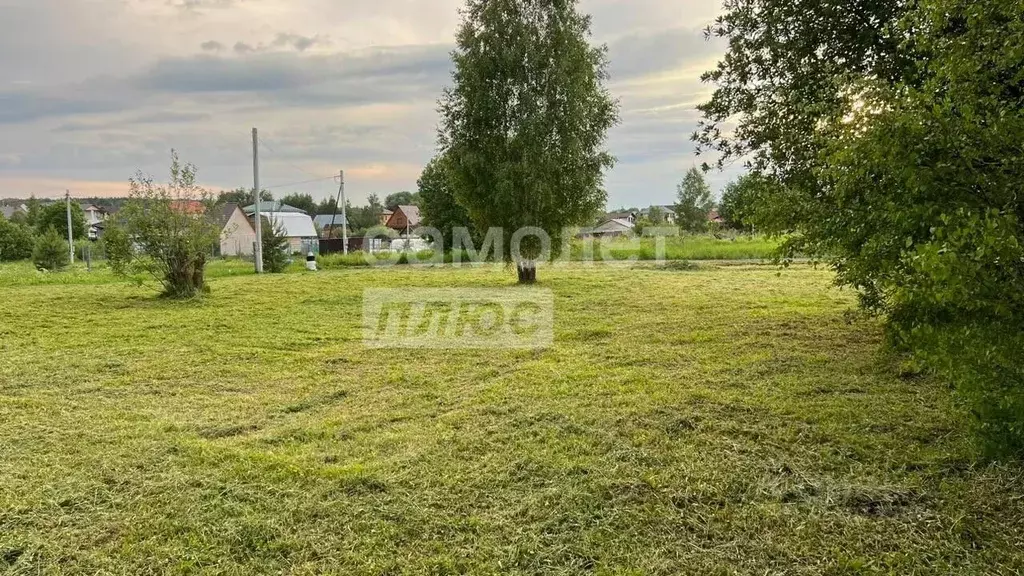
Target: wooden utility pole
x,y
71,239
344,215
256,193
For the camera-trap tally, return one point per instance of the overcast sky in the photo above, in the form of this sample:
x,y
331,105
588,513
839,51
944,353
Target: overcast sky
x,y
92,90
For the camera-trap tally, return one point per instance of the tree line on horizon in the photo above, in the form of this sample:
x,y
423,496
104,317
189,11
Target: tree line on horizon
x,y
40,233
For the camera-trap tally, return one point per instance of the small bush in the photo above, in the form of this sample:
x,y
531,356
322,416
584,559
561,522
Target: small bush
x,y
118,248
16,241
51,251
982,361
169,234
275,248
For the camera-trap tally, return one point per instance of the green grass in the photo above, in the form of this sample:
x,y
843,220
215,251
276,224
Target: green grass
x,y
684,247
729,246
25,274
712,421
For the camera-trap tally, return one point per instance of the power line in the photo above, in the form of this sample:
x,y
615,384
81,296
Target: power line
x,y
279,156
282,159
297,183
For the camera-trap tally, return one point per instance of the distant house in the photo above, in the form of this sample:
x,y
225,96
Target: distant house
x,y
297,226
609,228
9,211
237,234
667,212
404,219
93,214
384,216
715,217
627,216
272,207
94,217
326,223
190,207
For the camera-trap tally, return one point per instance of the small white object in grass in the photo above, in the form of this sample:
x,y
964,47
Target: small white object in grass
x,y
311,262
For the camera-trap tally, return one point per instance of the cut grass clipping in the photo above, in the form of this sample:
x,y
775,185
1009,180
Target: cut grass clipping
x,y
723,420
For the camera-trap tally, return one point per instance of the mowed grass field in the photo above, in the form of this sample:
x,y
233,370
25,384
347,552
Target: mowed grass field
x,y
724,420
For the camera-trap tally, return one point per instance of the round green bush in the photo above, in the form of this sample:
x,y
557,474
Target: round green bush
x,y
51,251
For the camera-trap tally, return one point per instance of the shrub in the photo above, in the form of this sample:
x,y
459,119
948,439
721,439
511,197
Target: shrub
x,y
740,200
51,251
16,241
982,360
901,166
171,235
275,248
56,216
117,247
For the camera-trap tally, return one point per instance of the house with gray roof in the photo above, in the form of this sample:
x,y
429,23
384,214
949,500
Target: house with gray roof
x,y
269,207
326,223
237,234
667,212
9,211
609,228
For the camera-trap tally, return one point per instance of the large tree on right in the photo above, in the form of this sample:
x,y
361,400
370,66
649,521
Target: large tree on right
x,y
524,123
893,133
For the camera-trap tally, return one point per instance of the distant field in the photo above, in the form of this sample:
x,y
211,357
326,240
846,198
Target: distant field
x,y
724,420
25,274
684,247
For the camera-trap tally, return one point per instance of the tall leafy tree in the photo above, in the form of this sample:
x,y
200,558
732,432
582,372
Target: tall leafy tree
x,y
893,136
744,199
362,218
693,201
55,216
328,206
303,202
403,198
525,121
16,241
242,196
785,71
439,207
374,204
929,175
656,215
35,207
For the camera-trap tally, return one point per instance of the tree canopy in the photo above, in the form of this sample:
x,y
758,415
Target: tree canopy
x,y
303,202
439,207
16,241
892,135
693,201
403,198
242,196
743,199
171,237
55,216
525,121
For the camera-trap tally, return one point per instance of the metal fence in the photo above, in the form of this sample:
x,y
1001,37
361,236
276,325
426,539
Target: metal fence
x,y
355,244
